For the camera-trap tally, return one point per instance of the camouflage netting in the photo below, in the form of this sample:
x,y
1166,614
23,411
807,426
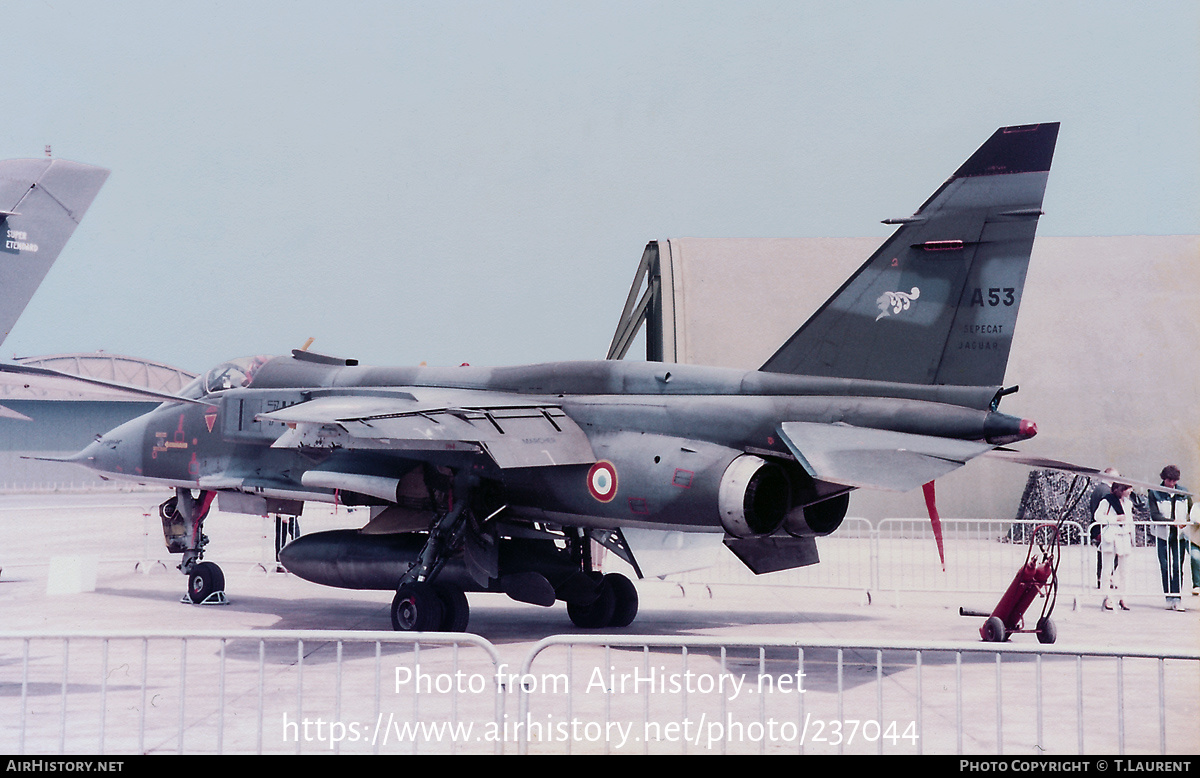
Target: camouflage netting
x,y
1048,491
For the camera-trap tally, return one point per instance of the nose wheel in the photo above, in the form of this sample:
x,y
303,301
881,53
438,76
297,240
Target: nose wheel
x,y
206,584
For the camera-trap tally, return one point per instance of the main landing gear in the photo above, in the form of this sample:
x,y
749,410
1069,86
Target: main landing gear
x,y
615,604
183,521
426,607
610,601
553,565
419,604
606,601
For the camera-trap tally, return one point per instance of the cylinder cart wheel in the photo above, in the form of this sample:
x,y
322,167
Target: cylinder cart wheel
x,y
993,630
1046,631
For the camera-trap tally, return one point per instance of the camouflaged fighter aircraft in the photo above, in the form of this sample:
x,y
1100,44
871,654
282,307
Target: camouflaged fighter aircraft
x,y
498,479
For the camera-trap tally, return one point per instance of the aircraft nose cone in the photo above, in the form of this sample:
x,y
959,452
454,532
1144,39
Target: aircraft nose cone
x,y
100,454
86,457
117,451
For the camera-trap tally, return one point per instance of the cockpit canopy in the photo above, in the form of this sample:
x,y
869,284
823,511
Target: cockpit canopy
x,y
234,374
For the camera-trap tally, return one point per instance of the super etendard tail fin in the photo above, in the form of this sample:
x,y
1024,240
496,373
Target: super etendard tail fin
x,y
937,302
41,202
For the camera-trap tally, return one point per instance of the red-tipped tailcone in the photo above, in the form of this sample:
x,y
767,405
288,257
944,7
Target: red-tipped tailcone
x,y
1000,428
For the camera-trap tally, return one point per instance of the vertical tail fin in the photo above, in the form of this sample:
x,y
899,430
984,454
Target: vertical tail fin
x,y
41,202
937,303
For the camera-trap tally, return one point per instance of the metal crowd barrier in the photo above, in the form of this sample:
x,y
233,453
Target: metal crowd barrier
x,y
309,692
254,691
653,695
982,555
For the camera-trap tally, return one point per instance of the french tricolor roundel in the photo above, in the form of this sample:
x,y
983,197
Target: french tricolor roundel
x,y
602,481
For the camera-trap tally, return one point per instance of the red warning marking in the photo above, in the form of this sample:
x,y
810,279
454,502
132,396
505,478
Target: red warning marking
x,y
602,481
210,418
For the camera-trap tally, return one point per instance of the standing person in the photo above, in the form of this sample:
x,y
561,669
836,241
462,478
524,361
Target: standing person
x,y
1191,534
1099,492
1115,517
1170,513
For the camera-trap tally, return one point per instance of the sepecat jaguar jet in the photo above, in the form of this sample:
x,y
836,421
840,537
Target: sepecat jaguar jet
x,y
499,479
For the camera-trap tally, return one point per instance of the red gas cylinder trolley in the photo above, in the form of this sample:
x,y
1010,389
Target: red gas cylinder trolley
x,y
1038,576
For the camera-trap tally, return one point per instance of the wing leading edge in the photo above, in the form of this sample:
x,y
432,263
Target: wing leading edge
x,y
511,433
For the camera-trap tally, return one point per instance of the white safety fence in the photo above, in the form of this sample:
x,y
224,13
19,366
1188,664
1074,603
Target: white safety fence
x,y
133,526
982,555
897,555
266,691
310,692
713,695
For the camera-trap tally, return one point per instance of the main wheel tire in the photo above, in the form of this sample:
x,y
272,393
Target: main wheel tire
x,y
416,608
626,607
1046,631
456,611
204,580
993,630
599,612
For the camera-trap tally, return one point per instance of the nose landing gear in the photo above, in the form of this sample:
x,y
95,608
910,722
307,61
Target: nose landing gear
x,y
183,519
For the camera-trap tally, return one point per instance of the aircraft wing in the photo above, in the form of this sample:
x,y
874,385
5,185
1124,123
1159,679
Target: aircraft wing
x,y
875,459
28,376
513,433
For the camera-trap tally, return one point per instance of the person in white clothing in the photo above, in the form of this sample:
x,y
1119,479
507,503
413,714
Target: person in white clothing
x,y
1115,517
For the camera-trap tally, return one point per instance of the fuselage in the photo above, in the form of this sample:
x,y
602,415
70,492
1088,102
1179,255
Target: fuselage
x,y
669,432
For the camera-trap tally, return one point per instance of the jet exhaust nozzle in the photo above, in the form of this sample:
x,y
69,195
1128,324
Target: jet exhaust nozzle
x,y
753,497
819,518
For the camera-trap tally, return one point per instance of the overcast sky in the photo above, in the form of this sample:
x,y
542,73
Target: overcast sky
x,y
476,181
